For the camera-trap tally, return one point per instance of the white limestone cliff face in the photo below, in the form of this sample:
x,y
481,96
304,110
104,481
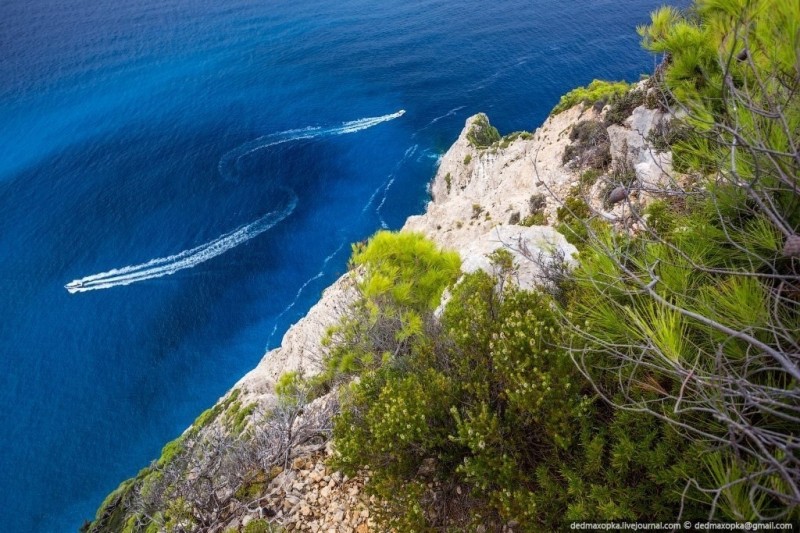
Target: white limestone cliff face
x,y
500,182
301,348
478,197
477,191
473,197
629,142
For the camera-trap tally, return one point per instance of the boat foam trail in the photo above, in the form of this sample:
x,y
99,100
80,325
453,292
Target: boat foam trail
x,y
165,266
382,187
303,288
437,119
229,163
388,185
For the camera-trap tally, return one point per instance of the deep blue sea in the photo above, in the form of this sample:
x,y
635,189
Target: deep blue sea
x,y
196,170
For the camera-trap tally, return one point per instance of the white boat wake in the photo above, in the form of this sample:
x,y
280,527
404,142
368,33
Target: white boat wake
x,y
388,184
300,291
165,266
229,164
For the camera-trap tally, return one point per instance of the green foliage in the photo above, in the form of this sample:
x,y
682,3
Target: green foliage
x,y
482,134
405,268
170,451
537,202
589,177
491,402
467,159
622,106
476,210
288,385
534,219
667,134
209,415
537,216
572,216
508,140
238,418
695,260
661,217
596,91
404,276
590,146
261,526
448,179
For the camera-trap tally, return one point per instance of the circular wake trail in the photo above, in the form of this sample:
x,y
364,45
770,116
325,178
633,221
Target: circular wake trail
x,y
228,165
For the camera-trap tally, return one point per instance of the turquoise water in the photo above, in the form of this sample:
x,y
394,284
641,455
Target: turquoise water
x,y
195,171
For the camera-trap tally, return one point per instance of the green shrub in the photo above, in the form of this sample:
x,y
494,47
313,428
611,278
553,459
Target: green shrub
x,y
661,217
491,403
537,202
590,146
476,210
406,268
589,177
260,525
170,451
482,134
508,140
404,277
467,159
209,415
597,90
622,106
251,489
668,133
574,207
534,219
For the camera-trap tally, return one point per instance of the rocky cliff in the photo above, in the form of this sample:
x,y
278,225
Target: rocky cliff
x,y
486,195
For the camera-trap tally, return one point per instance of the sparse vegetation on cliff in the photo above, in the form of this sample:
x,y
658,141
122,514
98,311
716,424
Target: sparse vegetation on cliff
x,y
682,335
486,406
596,91
657,379
482,134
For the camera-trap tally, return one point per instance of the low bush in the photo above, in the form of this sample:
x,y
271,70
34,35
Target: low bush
x,y
622,106
485,401
597,90
482,134
590,146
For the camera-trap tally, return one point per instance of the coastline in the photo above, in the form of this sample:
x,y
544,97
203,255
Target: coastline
x,y
504,194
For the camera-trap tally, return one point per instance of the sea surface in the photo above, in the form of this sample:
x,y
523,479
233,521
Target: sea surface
x,y
195,172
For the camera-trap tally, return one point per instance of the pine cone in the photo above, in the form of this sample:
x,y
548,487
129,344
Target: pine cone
x,y
791,247
617,195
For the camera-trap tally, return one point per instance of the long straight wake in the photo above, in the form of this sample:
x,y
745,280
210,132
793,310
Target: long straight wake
x,y
165,266
228,167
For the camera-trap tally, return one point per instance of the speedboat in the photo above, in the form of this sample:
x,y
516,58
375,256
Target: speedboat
x,y
72,286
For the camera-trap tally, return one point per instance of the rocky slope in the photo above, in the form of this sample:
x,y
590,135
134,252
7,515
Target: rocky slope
x,y
483,198
474,198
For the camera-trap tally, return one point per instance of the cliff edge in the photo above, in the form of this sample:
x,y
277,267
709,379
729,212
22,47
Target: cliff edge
x,y
489,192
